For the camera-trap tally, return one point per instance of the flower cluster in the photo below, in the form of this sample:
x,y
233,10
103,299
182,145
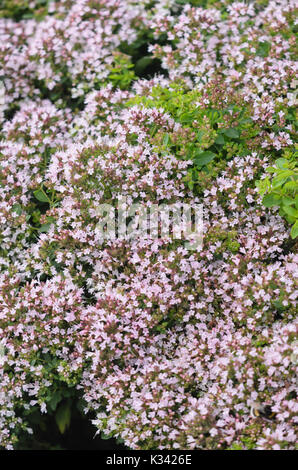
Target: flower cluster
x,y
169,348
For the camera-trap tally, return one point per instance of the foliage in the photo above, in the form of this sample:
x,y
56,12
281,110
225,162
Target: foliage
x,y
23,9
281,189
205,137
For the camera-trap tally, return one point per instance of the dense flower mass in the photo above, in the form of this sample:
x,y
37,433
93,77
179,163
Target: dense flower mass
x,y
151,102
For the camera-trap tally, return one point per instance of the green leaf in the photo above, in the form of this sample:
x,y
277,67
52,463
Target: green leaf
x,y
204,158
271,169
63,417
190,185
263,49
45,228
291,211
280,180
288,201
232,133
246,121
271,200
186,118
55,399
294,230
220,140
291,186
41,196
166,139
281,163
17,208
199,135
142,64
